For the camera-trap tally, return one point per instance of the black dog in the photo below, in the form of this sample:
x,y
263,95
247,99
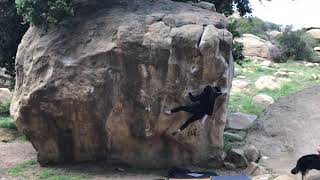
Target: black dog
x,y
306,163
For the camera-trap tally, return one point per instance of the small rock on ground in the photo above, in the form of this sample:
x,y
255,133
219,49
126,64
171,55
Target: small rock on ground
x,y
240,120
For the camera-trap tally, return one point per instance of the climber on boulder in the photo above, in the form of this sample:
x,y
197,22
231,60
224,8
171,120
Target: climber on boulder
x,y
202,107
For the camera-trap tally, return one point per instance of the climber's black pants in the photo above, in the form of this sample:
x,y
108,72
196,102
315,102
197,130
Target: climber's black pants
x,y
194,109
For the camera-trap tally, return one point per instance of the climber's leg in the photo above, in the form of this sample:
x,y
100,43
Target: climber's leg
x,y
192,119
194,108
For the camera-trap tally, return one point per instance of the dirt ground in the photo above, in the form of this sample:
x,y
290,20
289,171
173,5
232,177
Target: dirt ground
x,y
15,153
291,129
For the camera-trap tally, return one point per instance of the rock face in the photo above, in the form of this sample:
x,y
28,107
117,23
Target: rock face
x,y
205,5
315,33
81,91
256,47
317,51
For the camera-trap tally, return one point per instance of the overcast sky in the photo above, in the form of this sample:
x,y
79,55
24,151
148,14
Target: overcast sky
x,y
298,13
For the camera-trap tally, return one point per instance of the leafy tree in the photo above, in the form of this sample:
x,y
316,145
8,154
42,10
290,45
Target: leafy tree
x,y
237,48
237,53
11,31
44,12
296,45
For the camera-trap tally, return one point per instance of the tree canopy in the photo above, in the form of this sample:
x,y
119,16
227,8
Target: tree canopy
x,y
12,29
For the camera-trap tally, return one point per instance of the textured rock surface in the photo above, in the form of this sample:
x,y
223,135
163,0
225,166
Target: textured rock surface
x,y
205,5
251,153
237,157
263,177
240,120
255,169
5,95
239,85
268,82
315,33
255,46
81,91
262,100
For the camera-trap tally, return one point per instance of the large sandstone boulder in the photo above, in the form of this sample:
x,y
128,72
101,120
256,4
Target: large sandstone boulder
x,y
81,91
256,47
315,33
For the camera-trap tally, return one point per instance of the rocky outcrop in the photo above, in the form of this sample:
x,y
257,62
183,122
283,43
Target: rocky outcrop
x,y
205,5
255,47
94,90
315,33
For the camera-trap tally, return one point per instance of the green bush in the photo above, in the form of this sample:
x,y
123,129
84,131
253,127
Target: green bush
x,y
296,45
237,50
11,31
5,109
237,53
232,27
7,122
227,146
253,25
44,12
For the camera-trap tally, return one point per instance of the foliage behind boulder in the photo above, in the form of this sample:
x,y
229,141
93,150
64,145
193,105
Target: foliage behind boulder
x,y
44,12
296,45
11,31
